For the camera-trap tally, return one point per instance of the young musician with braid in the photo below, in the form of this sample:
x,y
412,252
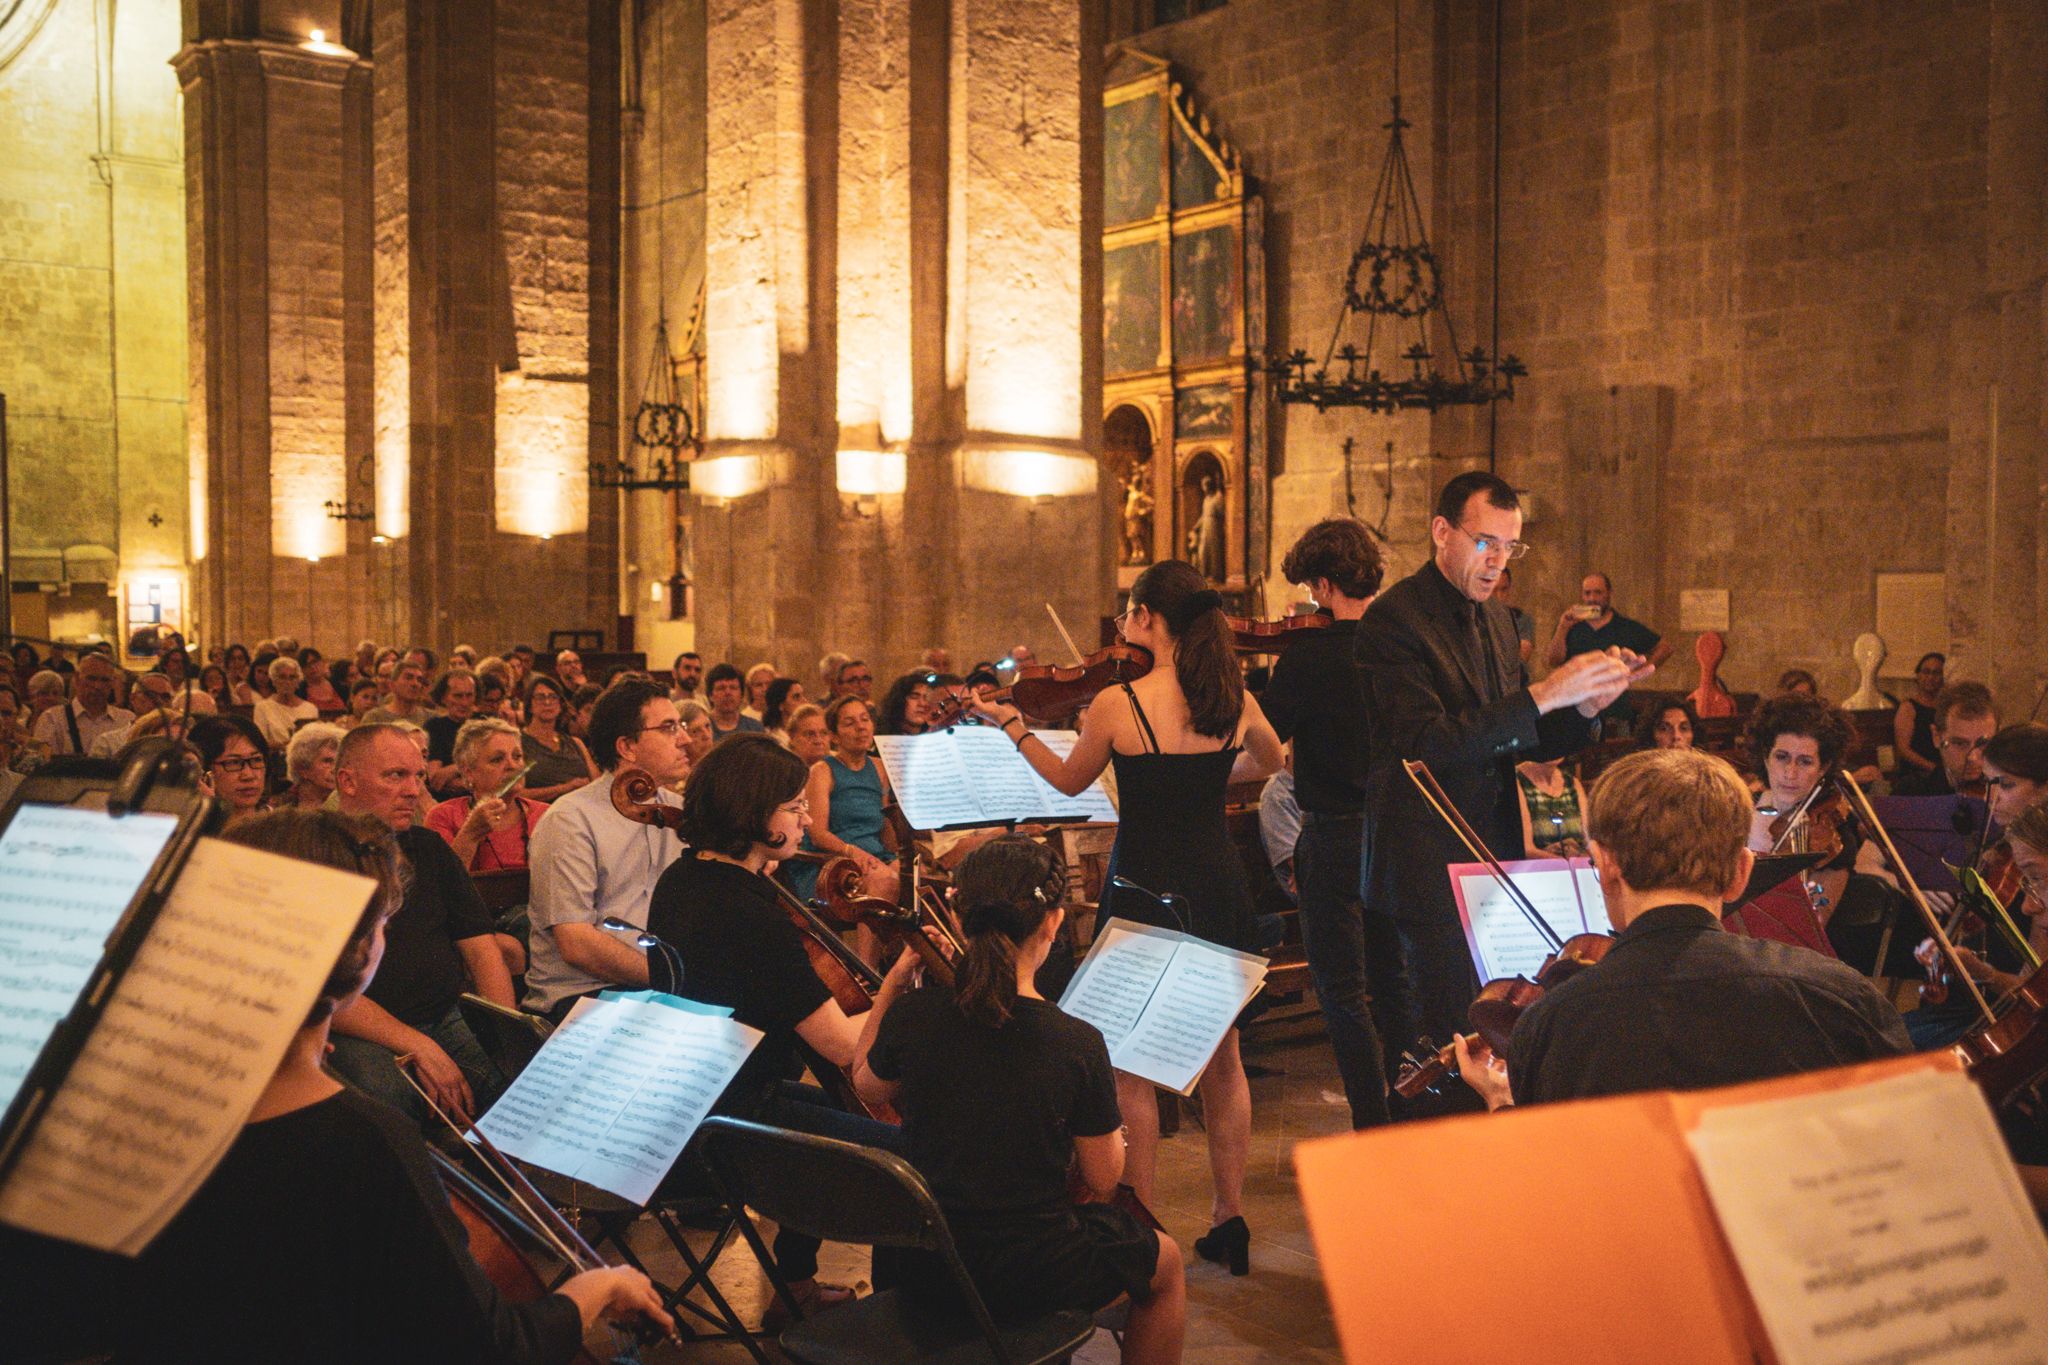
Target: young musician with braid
x,y
1001,1093
1177,738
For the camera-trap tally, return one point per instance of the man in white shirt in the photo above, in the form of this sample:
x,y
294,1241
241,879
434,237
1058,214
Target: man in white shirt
x,y
589,862
72,727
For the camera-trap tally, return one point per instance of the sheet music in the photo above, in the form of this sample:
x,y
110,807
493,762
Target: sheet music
x,y
1195,1003
616,1092
1881,1223
1116,979
1502,940
973,775
1162,1000
1592,900
66,874
191,1036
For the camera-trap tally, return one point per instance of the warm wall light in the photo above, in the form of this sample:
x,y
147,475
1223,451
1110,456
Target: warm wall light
x,y
299,524
543,484
729,476
1027,473
869,473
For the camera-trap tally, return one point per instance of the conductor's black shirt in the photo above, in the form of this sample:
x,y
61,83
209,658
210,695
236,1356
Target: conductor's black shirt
x,y
1681,1004
1317,699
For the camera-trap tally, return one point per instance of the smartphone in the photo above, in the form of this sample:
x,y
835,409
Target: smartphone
x,y
79,888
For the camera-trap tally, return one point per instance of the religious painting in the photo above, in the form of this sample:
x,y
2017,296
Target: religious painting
x,y
1131,182
1203,411
1204,294
1195,177
1130,308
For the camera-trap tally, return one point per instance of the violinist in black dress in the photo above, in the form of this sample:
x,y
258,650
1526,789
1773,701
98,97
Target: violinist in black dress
x,y
1001,1093
1177,738
324,1233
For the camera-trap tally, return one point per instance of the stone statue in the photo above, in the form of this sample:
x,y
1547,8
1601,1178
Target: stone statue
x,y
1206,541
1869,653
1137,518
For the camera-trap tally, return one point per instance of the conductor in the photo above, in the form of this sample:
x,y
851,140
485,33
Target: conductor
x,y
1445,684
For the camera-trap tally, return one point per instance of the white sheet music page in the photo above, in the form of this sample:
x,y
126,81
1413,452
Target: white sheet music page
x,y
191,1036
974,775
1592,900
1196,1001
1503,941
930,782
1880,1223
616,1092
1116,979
1094,803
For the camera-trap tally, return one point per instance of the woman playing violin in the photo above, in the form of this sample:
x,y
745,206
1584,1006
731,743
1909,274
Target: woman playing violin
x,y
743,810
1177,737
324,1234
1001,1094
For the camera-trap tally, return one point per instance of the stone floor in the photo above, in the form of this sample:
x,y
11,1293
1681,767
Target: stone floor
x,y
1277,1313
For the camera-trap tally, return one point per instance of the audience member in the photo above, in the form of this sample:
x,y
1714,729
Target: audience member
x,y
686,674
150,693
260,683
465,655
828,674
1965,719
726,690
13,734
320,688
569,670
213,681
560,761
590,862
809,740
234,760
45,695
454,693
783,696
1798,682
847,793
855,679
577,722
937,660
1672,726
757,679
438,944
363,696
697,733
1553,811
488,828
1592,625
309,761
235,662
284,710
72,727
905,707
408,700
1525,624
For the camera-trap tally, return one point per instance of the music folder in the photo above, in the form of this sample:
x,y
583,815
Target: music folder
x,y
1775,869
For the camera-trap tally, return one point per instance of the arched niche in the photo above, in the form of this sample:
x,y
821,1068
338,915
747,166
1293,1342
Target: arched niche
x,y
1129,494
1202,501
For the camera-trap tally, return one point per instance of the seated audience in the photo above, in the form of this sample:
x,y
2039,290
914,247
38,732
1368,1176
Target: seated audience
x,y
260,682
1798,682
1553,806
320,688
569,670
235,662
454,694
1913,722
71,728
904,709
686,675
284,710
856,679
465,655
213,681
591,863
698,736
324,1232
783,696
234,761
577,721
828,675
809,740
1674,725
997,1153
725,689
309,760
1965,719
1678,1004
757,679
408,699
487,827
438,944
847,792
363,696
560,761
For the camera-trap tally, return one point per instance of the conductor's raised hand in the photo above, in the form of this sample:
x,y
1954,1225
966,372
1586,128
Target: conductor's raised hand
x,y
1582,681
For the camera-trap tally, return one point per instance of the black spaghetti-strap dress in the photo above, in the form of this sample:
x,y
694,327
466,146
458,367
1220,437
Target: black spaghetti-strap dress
x,y
1171,837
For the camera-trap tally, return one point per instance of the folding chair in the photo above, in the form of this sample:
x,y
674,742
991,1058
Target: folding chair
x,y
843,1192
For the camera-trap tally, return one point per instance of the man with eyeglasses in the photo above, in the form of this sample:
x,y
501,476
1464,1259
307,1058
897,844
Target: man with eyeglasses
x,y
1965,719
1444,683
591,863
72,727
855,679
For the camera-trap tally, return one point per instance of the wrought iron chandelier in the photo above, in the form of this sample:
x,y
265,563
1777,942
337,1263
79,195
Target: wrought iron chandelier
x,y
1395,283
663,429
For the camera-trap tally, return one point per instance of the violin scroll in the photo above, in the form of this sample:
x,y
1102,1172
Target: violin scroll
x,y
637,796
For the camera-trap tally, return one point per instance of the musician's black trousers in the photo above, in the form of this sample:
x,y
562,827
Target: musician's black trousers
x,y
809,1110
1354,962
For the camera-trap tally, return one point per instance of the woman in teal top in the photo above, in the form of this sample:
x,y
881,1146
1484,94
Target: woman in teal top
x,y
846,793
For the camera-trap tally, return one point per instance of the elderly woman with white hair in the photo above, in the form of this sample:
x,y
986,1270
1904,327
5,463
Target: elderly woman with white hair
x,y
284,710
488,829
309,763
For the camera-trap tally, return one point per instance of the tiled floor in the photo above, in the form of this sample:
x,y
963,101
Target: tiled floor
x,y
1277,1313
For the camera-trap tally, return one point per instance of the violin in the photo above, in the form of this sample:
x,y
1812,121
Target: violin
x,y
2010,1054
1812,826
1496,1010
898,926
1273,637
1052,695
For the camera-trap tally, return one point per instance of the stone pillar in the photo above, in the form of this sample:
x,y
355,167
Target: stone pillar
x,y
264,135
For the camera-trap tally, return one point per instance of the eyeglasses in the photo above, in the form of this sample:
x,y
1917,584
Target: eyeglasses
x,y
671,728
800,806
1965,746
237,765
2036,891
1491,545
856,677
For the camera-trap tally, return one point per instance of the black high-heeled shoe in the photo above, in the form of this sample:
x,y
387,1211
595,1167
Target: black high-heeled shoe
x,y
1228,1243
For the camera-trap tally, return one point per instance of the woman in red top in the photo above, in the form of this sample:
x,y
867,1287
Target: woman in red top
x,y
489,829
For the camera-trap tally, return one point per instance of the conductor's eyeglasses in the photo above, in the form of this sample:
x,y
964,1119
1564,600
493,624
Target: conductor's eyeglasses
x,y
1493,545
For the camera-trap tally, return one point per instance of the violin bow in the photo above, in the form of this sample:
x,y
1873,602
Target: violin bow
x,y
1440,801
1061,627
1792,820
1861,805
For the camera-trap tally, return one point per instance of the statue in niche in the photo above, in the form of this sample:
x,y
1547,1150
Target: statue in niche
x,y
1138,506
1205,541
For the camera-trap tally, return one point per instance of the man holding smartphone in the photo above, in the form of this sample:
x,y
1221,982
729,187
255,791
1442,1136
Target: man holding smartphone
x,y
1591,625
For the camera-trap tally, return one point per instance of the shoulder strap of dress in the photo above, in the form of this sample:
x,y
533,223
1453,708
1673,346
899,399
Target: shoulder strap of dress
x,y
1151,740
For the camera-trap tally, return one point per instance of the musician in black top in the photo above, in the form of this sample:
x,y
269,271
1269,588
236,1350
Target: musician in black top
x,y
1445,684
324,1234
1678,1003
1002,1092
1315,699
743,809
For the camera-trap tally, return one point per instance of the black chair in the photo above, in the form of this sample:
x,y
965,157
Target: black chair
x,y
843,1192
